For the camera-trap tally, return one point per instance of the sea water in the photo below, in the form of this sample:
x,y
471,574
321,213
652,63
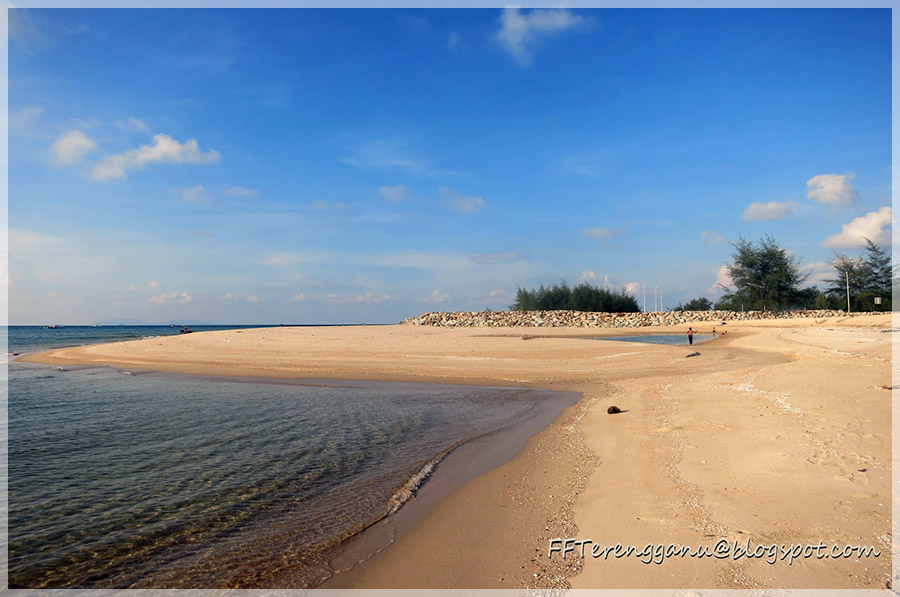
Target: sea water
x,y
129,479
667,339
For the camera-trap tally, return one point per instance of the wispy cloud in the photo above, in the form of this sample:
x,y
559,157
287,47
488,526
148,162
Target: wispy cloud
x,y
321,205
22,29
711,237
604,233
386,153
163,149
24,115
832,189
371,297
196,194
28,241
70,147
76,29
873,226
132,124
773,210
290,258
241,192
464,203
520,32
493,257
396,194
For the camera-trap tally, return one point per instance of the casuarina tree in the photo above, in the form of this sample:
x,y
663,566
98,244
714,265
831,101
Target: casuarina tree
x,y
765,277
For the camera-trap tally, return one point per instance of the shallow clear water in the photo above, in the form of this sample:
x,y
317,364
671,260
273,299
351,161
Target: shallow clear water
x,y
126,479
669,339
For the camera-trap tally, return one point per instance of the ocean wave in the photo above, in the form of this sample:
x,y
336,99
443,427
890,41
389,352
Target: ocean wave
x,y
408,490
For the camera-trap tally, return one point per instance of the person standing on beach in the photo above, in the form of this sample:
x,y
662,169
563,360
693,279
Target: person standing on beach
x,y
690,335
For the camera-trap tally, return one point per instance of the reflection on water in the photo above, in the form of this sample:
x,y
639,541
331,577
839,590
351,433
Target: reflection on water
x,y
669,339
150,480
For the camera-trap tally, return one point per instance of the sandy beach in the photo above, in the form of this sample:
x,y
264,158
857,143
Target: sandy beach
x,y
776,434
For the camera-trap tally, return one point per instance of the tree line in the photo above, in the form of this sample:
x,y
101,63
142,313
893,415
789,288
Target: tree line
x,y
767,277
764,277
584,297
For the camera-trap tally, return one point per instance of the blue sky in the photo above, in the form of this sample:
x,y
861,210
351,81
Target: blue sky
x,y
344,166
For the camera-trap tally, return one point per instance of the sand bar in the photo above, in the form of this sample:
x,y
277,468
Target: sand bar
x,y
778,433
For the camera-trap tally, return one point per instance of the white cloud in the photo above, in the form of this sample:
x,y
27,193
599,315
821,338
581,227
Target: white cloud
x,y
152,284
633,287
163,149
254,299
396,194
711,237
299,297
196,194
588,275
453,40
519,32
178,297
370,297
872,226
723,278
599,232
498,292
241,192
832,189
818,274
773,210
435,297
463,203
70,147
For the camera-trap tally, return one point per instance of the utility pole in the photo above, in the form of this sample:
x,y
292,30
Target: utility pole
x,y
656,299
661,306
848,291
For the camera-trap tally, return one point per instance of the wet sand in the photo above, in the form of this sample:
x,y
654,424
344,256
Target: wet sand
x,y
778,432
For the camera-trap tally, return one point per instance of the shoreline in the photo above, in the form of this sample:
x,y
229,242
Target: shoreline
x,y
649,453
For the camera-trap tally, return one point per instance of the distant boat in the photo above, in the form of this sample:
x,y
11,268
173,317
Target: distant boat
x,y
55,326
185,330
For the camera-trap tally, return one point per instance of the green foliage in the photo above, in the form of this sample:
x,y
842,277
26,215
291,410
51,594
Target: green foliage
x,y
867,277
697,304
583,297
765,277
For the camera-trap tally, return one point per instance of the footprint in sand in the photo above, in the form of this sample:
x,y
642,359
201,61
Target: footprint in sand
x,y
844,507
859,478
817,458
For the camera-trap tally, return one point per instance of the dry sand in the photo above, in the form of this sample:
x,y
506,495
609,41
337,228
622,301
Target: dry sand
x,y
778,433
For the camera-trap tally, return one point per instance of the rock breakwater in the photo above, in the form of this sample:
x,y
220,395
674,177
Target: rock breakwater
x,y
602,320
